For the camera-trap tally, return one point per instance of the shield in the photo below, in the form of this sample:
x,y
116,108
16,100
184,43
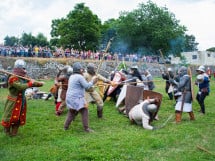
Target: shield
x,y
134,94
117,79
122,95
101,87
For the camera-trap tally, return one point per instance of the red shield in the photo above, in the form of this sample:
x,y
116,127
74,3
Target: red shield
x,y
118,78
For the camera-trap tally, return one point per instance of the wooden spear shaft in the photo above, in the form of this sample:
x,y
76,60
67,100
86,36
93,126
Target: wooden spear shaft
x,y
131,82
8,73
105,52
205,150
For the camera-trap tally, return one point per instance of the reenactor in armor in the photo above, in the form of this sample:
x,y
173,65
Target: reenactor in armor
x,y
167,75
63,79
134,76
148,84
75,99
184,101
142,113
14,114
203,82
91,94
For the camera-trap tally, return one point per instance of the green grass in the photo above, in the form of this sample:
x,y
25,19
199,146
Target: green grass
x,y
43,137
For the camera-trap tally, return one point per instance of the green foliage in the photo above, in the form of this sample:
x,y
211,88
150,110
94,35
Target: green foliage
x,y
79,30
150,27
108,31
122,65
30,40
191,44
144,30
43,137
11,41
183,61
211,49
27,40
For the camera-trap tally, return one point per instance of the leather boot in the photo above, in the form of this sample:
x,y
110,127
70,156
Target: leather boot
x,y
99,111
70,117
191,115
58,113
84,115
14,130
7,130
177,117
49,95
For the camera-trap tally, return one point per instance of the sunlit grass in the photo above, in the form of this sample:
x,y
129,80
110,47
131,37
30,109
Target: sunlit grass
x,y
43,137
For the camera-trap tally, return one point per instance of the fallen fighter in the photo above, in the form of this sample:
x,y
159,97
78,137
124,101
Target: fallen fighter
x,y
144,112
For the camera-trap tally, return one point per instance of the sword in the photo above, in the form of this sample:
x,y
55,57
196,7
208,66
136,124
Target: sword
x,y
164,124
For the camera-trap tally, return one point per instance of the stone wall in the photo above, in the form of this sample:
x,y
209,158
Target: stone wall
x,y
41,68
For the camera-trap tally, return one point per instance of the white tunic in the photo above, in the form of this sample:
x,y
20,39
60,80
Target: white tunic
x,y
137,114
187,107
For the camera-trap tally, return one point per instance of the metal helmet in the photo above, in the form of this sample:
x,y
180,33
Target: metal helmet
x,y
91,65
19,63
134,67
201,68
152,108
182,71
77,67
169,69
91,68
69,70
65,69
200,78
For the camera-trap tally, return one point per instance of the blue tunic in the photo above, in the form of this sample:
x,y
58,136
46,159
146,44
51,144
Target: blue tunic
x,y
75,92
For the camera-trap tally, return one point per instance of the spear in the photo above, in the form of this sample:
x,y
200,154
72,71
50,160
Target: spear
x,y
105,52
164,124
25,78
8,73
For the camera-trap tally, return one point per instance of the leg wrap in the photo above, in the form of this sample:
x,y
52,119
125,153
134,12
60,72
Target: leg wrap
x,y
177,116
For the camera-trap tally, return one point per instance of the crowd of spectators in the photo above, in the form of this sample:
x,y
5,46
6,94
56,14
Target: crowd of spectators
x,y
46,52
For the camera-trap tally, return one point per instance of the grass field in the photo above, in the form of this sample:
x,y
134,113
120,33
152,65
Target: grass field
x,y
43,137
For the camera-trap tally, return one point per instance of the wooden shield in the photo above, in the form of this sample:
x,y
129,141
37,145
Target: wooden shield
x,y
134,94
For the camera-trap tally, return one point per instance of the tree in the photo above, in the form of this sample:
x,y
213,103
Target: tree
x,y
211,49
11,41
80,29
190,43
41,40
108,31
28,39
149,28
